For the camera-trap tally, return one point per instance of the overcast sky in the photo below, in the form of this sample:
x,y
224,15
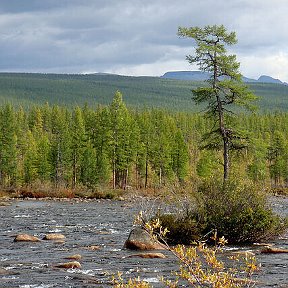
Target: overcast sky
x,y
137,37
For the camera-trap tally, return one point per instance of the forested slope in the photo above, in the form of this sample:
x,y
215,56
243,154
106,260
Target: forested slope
x,y
24,89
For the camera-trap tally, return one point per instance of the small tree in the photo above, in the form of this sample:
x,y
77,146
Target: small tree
x,y
225,87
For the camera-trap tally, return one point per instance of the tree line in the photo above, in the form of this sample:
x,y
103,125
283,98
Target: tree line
x,y
113,146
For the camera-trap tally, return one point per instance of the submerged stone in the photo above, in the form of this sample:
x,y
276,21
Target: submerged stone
x,y
147,255
69,265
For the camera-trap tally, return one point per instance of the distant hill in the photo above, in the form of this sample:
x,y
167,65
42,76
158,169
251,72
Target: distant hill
x,y
187,75
268,79
201,76
25,89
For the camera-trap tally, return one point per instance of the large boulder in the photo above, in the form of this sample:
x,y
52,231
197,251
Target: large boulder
x,y
140,239
26,238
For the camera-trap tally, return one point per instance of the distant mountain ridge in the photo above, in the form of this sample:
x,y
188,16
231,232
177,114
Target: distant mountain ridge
x,y
202,76
29,89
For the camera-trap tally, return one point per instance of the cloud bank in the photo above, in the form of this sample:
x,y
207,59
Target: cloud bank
x,y
136,37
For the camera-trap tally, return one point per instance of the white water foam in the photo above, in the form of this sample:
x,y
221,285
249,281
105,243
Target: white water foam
x,y
55,230
38,286
12,277
151,280
22,216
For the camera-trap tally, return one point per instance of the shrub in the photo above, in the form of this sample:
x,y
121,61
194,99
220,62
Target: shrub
x,y
238,211
182,229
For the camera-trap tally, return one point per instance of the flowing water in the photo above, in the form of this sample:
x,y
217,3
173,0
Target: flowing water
x,y
100,223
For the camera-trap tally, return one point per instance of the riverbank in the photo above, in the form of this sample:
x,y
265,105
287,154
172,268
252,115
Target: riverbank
x,y
59,193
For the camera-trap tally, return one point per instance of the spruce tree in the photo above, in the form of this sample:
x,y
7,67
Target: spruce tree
x,y
78,138
61,147
8,146
180,156
122,144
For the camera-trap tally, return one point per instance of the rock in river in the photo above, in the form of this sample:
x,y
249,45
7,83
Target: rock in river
x,y
270,250
54,236
74,257
4,203
69,265
140,239
26,238
147,255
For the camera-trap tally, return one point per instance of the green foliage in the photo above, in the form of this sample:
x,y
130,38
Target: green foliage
x,y
78,143
122,142
180,156
82,146
207,164
8,146
238,211
224,90
277,155
153,148
183,229
257,169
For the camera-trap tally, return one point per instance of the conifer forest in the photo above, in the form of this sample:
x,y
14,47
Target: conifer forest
x,y
115,147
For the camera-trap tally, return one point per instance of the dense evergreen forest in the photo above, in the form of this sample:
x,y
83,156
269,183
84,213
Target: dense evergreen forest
x,y
116,147
24,89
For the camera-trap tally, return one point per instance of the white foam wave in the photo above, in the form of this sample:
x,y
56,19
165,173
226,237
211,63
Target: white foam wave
x,y
151,280
55,230
88,272
22,216
12,277
38,286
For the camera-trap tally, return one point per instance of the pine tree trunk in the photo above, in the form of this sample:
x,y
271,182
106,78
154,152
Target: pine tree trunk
x,y
58,168
125,179
160,176
114,170
74,172
146,174
226,158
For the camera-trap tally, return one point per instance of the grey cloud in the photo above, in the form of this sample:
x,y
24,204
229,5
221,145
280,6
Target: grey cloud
x,y
103,34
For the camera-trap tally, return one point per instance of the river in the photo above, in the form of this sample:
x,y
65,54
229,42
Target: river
x,y
100,223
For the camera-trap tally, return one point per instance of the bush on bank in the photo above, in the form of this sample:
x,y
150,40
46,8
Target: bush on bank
x,y
237,210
